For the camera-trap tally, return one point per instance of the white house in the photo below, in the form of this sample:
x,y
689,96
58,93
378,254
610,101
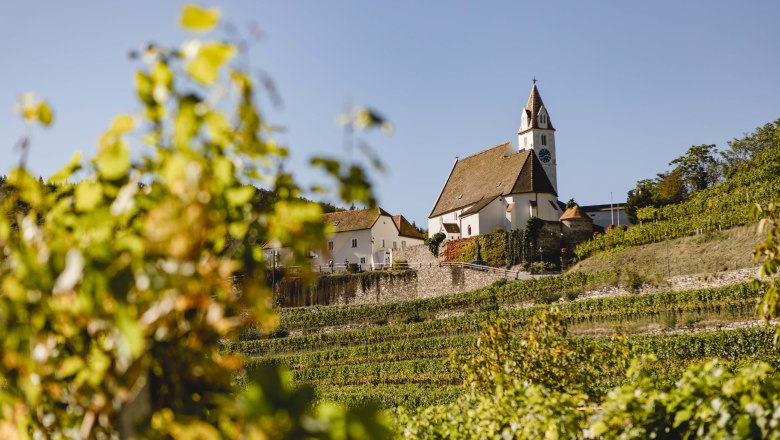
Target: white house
x,y
502,187
609,214
366,237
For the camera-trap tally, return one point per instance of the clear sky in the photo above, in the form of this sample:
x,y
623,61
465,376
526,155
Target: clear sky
x,y
629,85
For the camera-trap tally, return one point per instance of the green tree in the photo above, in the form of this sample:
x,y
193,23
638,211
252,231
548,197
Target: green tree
x,y
643,195
118,289
699,167
741,151
671,188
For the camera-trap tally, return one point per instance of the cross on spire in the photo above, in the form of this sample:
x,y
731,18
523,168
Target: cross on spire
x,y
534,80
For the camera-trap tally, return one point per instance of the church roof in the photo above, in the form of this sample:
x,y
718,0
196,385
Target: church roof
x,y
354,220
532,109
405,229
452,228
491,173
575,212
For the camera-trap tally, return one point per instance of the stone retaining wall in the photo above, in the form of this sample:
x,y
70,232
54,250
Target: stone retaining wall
x,y
381,287
415,255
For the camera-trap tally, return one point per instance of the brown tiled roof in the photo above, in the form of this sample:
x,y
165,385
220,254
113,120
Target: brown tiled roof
x,y
452,228
479,205
405,229
489,174
532,177
354,220
532,109
575,212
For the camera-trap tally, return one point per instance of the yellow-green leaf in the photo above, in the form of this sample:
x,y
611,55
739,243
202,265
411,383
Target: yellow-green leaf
x,y
195,18
238,229
114,161
88,194
239,196
69,367
45,114
204,68
122,124
65,172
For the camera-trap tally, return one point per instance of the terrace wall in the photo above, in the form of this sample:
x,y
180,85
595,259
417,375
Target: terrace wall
x,y
380,287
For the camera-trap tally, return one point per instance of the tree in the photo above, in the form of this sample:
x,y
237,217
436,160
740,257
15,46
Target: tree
x,y
698,167
641,196
571,204
118,289
671,188
742,151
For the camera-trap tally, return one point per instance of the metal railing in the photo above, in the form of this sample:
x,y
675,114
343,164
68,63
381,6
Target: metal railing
x,y
506,273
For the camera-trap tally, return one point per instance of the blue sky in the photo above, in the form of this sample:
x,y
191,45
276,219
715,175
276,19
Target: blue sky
x,y
629,85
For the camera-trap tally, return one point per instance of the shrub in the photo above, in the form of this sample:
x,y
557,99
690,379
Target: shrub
x,y
400,264
434,242
353,268
634,281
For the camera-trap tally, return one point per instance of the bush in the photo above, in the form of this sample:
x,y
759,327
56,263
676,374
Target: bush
x,y
634,281
434,242
540,267
353,268
400,264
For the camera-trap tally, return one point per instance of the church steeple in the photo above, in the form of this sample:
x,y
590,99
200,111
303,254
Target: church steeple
x,y
532,112
537,133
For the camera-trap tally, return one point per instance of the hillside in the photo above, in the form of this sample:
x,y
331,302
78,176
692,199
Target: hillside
x,y
709,252
749,174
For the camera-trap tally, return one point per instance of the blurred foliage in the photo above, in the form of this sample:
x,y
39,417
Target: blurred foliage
x,y
118,288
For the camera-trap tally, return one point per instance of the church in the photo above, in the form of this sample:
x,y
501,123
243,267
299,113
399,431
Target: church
x,y
502,187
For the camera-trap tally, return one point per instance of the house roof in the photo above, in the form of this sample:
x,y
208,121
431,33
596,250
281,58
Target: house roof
x,y
575,212
489,174
405,229
354,220
451,228
532,109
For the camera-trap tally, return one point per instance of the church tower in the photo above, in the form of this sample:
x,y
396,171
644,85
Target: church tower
x,y
537,133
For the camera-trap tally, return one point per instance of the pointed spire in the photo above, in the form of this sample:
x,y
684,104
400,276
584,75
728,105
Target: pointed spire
x,y
532,108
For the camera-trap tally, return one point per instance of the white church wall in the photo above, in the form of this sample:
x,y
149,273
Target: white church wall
x,y
469,226
435,224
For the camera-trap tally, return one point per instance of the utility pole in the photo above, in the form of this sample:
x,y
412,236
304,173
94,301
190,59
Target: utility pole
x,y
611,210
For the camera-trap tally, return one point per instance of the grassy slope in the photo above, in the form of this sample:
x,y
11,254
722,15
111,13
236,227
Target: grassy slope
x,y
706,253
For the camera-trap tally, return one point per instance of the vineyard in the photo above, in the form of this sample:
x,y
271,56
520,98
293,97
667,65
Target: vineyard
x,y
722,206
397,354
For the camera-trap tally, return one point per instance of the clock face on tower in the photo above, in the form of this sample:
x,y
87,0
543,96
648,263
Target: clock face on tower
x,y
545,155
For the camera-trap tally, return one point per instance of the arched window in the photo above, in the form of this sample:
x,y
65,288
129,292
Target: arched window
x,y
469,230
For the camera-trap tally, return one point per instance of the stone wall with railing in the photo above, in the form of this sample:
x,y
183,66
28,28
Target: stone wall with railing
x,y
381,286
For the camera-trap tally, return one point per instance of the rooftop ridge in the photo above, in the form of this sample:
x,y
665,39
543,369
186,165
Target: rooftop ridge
x,y
487,150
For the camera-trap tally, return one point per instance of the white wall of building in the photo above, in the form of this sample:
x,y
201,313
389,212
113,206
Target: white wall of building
x,y
604,218
373,245
495,215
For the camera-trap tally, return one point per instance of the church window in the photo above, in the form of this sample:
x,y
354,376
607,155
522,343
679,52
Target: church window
x,y
525,142
544,140
330,245
469,230
354,242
